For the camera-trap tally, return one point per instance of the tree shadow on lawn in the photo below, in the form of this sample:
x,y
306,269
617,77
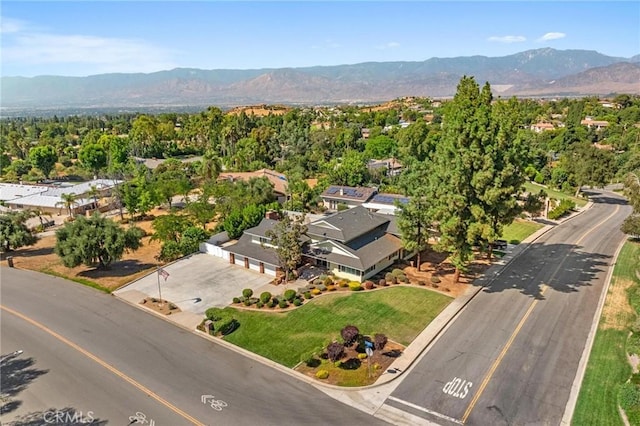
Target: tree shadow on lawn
x,y
30,252
122,268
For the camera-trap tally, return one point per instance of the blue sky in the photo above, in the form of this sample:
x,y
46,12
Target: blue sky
x,y
84,38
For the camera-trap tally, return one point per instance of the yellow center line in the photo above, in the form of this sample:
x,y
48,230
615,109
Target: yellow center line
x,y
507,346
105,365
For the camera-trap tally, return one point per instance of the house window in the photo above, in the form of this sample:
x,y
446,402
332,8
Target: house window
x,y
393,255
348,270
369,269
264,240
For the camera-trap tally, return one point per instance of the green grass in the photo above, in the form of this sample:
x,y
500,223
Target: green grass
x,y
608,368
288,338
532,187
82,281
519,230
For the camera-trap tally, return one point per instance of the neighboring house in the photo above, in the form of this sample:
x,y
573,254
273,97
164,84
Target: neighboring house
x,y
346,195
354,244
541,127
598,124
392,166
384,203
48,198
278,180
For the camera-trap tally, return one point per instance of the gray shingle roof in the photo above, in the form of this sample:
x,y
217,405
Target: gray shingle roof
x,y
346,225
245,247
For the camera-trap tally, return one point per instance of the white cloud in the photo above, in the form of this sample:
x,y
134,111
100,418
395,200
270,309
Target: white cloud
x,y
507,39
10,25
390,45
552,36
24,47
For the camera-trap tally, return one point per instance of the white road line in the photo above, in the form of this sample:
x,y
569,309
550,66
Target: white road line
x,y
426,410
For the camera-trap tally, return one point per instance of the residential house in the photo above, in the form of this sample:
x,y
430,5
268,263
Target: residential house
x,y
541,127
47,198
348,196
354,244
278,180
391,166
385,203
598,124
254,251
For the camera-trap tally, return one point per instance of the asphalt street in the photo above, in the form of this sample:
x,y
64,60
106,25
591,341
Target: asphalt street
x,y
512,355
84,351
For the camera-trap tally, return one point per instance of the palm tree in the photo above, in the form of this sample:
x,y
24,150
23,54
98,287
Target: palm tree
x,y
68,201
94,193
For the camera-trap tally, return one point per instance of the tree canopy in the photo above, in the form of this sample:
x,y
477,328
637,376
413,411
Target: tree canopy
x,y
14,232
95,241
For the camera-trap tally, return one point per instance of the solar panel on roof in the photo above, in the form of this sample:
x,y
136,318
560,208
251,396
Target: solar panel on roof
x,y
332,190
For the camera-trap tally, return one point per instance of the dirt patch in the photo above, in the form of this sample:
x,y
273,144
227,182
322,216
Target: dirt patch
x,y
163,307
40,257
617,310
353,370
437,272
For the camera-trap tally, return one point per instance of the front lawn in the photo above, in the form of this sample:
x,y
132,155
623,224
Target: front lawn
x,y
519,230
288,338
533,188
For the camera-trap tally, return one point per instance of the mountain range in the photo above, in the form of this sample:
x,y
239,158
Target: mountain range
x,y
537,73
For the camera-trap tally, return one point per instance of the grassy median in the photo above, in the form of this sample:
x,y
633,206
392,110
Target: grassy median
x,y
287,338
608,368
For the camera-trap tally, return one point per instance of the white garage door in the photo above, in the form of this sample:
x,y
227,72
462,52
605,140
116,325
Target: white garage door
x,y
239,260
270,270
254,265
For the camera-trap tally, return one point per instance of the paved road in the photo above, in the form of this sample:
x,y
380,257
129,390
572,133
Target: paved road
x,y
123,361
512,355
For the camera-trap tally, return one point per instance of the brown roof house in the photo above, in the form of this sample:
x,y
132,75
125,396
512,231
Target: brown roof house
x,y
598,124
278,180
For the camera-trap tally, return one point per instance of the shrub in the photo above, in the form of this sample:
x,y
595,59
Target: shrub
x,y
368,285
403,278
331,288
335,351
226,325
322,374
247,292
362,356
355,286
253,300
236,300
310,286
297,302
259,305
323,277
315,292
379,341
307,295
377,366
283,304
562,209
247,302
242,299
337,364
322,287
271,304
435,279
327,281
265,297
434,285
389,277
289,295
318,281
214,314
350,334
343,283
382,282
422,282
397,272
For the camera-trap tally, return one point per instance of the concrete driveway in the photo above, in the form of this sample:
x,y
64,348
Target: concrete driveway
x,y
199,282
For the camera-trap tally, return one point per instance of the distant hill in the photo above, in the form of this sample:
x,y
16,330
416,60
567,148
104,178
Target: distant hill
x,y
540,72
